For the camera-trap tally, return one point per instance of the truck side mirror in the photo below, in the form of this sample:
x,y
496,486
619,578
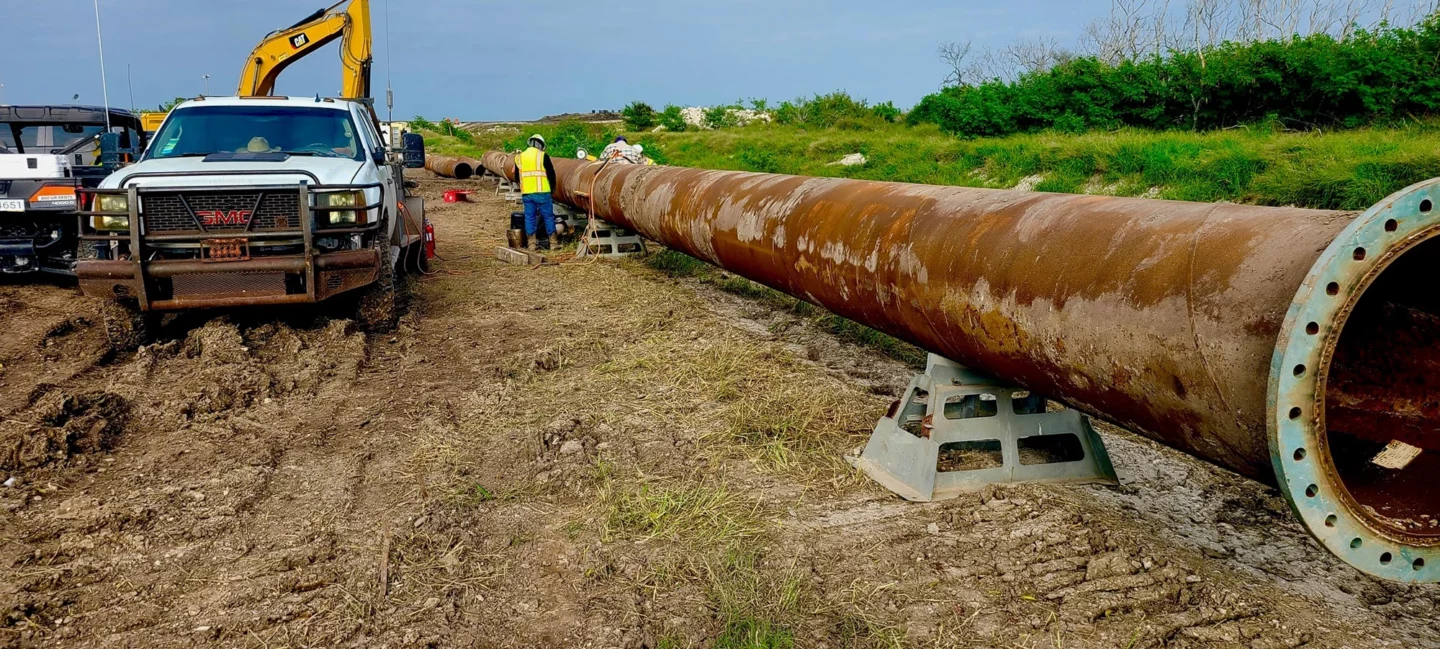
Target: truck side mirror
x,y
110,150
378,155
414,151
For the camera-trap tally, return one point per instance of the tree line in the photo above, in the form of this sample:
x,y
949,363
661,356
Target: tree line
x,y
1217,63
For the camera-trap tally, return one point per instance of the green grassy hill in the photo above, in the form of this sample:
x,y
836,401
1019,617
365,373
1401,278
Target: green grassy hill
x,y
1350,169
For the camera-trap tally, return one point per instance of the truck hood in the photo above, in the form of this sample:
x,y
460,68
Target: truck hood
x,y
329,171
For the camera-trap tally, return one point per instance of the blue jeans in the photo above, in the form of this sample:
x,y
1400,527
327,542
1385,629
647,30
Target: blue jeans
x,y
542,208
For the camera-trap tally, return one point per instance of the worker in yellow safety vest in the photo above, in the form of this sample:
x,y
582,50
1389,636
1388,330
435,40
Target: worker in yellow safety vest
x,y
536,177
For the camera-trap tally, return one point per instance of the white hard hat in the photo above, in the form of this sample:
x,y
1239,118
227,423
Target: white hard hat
x,y
639,148
538,137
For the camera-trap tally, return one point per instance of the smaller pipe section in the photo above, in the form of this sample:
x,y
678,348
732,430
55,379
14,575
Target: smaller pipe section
x,y
449,167
475,166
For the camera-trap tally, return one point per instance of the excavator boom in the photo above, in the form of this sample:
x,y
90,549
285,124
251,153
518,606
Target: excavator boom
x,y
281,48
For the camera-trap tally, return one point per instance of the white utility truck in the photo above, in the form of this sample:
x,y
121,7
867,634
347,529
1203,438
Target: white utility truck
x,y
46,154
254,201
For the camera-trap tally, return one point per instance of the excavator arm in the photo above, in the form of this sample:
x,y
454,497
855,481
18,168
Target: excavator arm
x,y
281,48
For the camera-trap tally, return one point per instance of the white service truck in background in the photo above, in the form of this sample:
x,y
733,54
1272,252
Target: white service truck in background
x,y
244,202
46,154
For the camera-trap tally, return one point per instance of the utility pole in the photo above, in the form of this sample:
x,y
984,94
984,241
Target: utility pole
x,y
2,94
130,81
207,85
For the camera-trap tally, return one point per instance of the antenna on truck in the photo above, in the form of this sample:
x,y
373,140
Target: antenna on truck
x,y
104,87
389,91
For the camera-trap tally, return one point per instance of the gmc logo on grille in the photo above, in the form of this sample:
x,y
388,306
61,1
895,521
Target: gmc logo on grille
x,y
221,217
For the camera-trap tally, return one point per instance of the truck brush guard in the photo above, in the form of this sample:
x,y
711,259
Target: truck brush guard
x,y
173,248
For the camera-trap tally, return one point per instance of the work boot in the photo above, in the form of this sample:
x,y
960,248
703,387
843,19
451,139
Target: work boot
x,y
542,244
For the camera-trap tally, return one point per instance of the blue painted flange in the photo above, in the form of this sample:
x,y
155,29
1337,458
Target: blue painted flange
x,y
1298,447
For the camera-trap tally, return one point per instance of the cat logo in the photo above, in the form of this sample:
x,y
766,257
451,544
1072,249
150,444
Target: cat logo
x,y
299,40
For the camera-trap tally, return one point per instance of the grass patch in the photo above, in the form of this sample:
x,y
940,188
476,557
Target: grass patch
x,y
696,515
1348,170
678,264
762,402
754,634
759,603
785,431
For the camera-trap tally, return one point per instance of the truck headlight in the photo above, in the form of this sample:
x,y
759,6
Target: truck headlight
x,y
111,223
112,203
342,199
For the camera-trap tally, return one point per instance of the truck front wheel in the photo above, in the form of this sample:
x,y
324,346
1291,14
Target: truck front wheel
x,y
378,309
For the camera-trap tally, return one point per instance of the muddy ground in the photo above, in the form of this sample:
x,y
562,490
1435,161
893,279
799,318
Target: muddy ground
x,y
584,455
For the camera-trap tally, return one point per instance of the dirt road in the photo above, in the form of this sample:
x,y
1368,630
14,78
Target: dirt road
x,y
584,455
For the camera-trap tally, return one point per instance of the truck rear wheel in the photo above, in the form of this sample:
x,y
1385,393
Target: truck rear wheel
x,y
378,309
127,326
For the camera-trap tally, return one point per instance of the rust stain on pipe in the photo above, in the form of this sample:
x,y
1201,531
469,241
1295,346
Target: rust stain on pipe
x,y
1171,319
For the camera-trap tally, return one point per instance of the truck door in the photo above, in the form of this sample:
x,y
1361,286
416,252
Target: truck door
x,y
384,172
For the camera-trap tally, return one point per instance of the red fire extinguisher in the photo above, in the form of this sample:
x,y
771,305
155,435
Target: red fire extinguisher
x,y
429,240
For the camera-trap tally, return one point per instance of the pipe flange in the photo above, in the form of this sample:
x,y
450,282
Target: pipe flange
x,y
1299,446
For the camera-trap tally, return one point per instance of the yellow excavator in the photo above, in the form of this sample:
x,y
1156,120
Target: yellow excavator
x,y
282,47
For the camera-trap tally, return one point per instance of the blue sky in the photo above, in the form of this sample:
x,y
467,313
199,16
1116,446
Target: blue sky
x,y
463,58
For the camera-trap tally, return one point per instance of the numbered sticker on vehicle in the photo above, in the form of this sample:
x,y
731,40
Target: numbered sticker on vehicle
x,y
12,206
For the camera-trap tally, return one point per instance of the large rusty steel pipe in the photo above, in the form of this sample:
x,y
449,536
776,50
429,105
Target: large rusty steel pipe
x,y
1289,345
499,164
457,168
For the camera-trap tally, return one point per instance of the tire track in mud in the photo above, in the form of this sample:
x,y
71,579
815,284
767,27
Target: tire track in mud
x,y
208,426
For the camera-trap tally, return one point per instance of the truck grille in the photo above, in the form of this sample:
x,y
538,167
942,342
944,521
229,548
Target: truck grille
x,y
169,213
4,187
240,284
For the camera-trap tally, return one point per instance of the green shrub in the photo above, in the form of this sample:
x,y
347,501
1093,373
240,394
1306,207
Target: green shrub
x,y
887,111
422,124
565,139
720,117
1371,77
835,110
759,157
673,120
453,129
638,116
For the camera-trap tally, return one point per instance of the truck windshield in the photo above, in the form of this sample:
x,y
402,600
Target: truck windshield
x,y
203,130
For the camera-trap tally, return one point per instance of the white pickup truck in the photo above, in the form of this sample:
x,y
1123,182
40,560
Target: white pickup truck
x,y
246,202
